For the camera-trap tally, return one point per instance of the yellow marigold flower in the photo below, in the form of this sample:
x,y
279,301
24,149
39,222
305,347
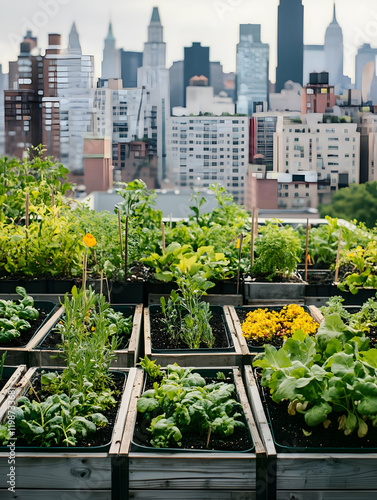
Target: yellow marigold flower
x,y
89,240
92,328
262,324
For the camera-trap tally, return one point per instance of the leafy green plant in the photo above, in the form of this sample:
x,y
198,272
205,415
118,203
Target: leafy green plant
x,y
186,316
207,262
330,378
278,251
2,364
15,317
183,402
56,420
364,264
38,176
153,371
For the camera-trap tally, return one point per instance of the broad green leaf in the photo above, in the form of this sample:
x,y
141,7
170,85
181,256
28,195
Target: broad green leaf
x,y
317,414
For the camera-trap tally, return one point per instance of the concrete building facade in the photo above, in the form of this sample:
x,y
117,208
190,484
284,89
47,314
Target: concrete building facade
x,y
332,150
202,150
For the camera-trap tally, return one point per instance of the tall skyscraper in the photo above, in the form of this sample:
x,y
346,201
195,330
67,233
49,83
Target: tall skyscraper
x,y
67,104
130,62
252,70
334,53
153,76
110,67
290,48
196,63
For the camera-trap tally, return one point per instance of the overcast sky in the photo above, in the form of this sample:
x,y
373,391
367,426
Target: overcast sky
x,y
214,23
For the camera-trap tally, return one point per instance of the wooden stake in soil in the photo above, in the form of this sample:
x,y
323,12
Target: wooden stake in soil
x,y
307,249
126,250
337,256
27,211
120,235
163,237
239,246
101,284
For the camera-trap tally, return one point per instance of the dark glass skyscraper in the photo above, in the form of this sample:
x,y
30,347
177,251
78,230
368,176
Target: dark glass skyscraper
x,y
290,48
196,63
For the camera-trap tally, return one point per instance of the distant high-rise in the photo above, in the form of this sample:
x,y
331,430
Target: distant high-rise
x,y
252,70
366,54
334,53
130,62
67,103
23,102
290,48
176,84
153,76
74,46
110,67
196,63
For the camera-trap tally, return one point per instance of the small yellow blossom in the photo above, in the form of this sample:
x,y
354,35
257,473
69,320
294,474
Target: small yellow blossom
x,y
89,240
92,328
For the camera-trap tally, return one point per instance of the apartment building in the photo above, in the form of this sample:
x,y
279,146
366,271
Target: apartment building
x,y
202,150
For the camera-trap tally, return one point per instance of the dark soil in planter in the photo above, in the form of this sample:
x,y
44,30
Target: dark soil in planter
x,y
161,339
319,277
372,336
289,430
103,434
26,335
239,441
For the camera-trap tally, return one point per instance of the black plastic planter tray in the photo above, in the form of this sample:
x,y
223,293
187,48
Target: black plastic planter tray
x,y
125,358
71,473
227,356
204,373
19,355
312,474
246,347
187,474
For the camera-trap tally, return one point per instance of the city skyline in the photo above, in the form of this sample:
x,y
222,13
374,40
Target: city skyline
x,y
203,22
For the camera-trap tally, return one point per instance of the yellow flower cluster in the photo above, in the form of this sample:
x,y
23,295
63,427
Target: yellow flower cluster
x,y
264,325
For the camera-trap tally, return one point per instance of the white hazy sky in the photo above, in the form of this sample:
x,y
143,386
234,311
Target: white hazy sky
x,y
214,23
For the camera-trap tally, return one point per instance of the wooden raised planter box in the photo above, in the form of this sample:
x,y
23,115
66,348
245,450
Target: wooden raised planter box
x,y
311,476
12,375
195,357
247,351
125,358
20,355
202,475
68,474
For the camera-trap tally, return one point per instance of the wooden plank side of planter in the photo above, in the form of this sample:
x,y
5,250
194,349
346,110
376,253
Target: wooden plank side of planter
x,y
45,328
326,495
192,495
325,471
241,339
48,494
316,313
199,359
125,358
12,381
58,471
